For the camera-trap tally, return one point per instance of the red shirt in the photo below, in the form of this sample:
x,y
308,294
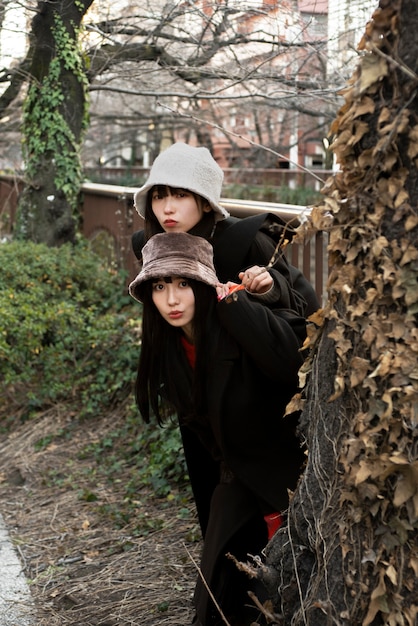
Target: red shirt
x,y
190,351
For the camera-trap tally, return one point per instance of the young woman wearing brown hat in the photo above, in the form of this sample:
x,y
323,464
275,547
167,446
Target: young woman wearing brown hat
x,y
224,359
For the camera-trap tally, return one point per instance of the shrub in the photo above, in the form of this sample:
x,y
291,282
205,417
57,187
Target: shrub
x,y
165,465
68,330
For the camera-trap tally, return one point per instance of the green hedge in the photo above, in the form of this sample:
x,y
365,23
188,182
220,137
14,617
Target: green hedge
x,y
67,329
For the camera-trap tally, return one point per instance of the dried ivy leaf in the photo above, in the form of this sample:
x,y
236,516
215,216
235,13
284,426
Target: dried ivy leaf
x,y
411,222
339,386
295,404
367,105
377,601
410,254
358,131
401,198
378,245
405,489
317,317
359,369
413,142
373,70
415,508
392,574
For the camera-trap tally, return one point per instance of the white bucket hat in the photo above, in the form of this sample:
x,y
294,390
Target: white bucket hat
x,y
175,254
185,167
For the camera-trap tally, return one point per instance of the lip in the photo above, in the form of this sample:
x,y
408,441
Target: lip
x,y
175,315
170,223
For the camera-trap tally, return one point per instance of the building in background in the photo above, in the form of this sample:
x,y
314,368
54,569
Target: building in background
x,y
346,24
316,51
285,60
13,37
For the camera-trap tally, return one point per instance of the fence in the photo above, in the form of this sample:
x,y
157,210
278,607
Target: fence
x,y
109,219
312,179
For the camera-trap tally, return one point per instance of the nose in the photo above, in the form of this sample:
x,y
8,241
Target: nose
x,y
168,203
172,295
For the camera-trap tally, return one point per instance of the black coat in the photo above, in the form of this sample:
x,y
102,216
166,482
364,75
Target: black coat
x,y
253,364
254,361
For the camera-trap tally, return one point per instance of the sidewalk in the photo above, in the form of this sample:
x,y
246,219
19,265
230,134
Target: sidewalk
x,y
16,606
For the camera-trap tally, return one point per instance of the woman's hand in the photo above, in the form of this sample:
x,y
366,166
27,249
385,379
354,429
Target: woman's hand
x,y
256,279
224,289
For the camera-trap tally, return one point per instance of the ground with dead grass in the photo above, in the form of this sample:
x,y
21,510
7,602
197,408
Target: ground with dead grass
x,y
90,560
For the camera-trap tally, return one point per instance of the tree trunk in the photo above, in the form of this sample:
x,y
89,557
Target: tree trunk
x,y
348,554
55,116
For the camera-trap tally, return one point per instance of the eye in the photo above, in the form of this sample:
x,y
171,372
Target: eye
x,y
157,286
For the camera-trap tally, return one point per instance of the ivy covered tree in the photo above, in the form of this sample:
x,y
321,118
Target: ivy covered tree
x,y
55,116
349,553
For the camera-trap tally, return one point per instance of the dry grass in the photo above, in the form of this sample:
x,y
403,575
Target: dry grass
x,y
83,569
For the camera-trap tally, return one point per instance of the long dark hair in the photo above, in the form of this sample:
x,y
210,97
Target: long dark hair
x,y
151,224
165,383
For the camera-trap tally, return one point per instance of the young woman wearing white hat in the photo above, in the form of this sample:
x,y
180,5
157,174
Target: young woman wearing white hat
x,y
224,360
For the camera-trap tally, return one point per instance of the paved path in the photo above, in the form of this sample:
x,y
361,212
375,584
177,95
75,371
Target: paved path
x,y
16,606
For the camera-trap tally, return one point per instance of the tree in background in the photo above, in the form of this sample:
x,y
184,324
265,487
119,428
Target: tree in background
x,y
55,114
202,69
349,554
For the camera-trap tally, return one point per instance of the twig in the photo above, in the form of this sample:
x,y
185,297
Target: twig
x,y
297,576
51,523
243,137
207,587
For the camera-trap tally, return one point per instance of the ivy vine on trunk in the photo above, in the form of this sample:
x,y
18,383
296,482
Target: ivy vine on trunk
x,y
55,116
349,552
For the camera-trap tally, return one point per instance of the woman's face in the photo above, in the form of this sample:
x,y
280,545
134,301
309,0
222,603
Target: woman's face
x,y
177,210
175,301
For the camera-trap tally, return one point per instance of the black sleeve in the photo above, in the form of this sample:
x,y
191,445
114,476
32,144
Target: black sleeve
x,y
302,286
138,241
203,473
272,338
252,241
